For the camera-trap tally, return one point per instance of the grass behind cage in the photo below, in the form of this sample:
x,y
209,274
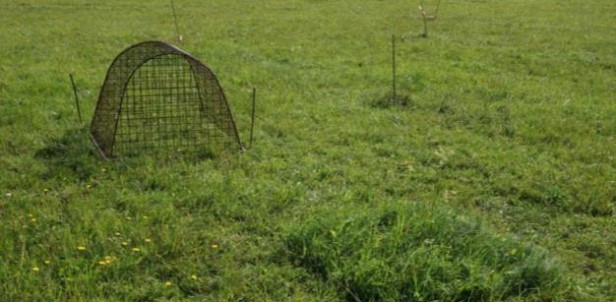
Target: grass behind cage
x,y
494,182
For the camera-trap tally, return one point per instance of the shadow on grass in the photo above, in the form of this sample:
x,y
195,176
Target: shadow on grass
x,y
392,101
71,155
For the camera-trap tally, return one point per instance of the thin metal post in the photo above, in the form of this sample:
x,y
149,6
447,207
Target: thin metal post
x,y
76,98
393,66
252,124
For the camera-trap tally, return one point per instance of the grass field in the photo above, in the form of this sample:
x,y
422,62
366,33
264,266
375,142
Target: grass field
x,y
494,181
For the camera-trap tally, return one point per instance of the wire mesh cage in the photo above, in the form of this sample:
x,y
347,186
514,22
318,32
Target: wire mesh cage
x,y
158,98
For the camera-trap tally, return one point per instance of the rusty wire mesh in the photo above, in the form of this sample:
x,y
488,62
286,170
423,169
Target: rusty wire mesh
x,y
158,98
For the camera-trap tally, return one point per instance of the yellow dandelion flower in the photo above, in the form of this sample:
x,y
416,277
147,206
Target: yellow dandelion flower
x,y
124,243
88,186
106,260
148,240
168,283
45,190
47,262
35,269
194,277
33,219
136,249
214,246
117,233
81,248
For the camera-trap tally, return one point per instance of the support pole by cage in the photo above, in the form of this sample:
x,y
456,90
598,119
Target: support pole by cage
x,y
252,122
76,98
393,68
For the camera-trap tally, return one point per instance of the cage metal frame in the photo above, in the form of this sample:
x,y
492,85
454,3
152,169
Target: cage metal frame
x,y
106,129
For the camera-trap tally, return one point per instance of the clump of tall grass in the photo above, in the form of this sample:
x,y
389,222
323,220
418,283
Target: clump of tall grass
x,y
420,253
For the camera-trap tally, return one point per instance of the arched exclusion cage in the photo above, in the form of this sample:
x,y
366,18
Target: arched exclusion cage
x,y
156,98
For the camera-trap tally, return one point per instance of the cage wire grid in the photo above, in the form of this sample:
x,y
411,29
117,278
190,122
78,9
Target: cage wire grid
x,y
158,98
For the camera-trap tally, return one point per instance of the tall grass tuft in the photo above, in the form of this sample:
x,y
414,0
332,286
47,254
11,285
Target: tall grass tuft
x,y
420,253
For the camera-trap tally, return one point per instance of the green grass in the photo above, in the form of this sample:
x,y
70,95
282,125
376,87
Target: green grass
x,y
420,252
495,181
